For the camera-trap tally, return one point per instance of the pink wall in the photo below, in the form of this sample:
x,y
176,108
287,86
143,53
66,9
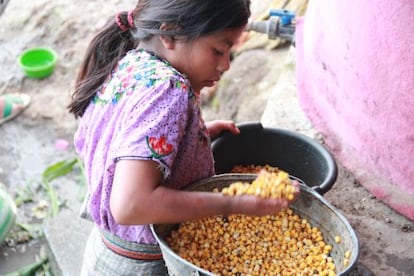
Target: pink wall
x,y
355,77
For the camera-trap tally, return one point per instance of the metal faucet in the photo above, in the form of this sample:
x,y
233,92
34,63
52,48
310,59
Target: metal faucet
x,y
280,24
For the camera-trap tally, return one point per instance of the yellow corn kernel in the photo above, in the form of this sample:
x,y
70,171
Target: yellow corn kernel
x,y
331,265
328,248
346,262
337,239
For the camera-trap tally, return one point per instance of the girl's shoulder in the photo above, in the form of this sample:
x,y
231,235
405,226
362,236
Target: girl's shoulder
x,y
147,65
139,72
144,70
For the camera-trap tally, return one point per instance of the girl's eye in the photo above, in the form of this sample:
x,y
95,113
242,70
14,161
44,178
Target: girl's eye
x,y
218,52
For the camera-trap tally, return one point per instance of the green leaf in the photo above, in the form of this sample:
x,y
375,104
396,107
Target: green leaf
x,y
32,230
52,172
30,269
59,169
54,201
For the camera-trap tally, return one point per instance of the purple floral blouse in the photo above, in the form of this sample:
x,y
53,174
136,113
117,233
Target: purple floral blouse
x,y
146,110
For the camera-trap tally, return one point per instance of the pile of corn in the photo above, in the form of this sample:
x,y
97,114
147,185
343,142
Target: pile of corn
x,y
279,244
268,184
282,244
253,169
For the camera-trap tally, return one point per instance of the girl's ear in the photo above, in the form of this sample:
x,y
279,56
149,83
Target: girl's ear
x,y
167,41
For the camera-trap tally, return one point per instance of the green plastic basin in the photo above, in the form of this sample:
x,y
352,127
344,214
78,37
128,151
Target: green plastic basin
x,y
38,62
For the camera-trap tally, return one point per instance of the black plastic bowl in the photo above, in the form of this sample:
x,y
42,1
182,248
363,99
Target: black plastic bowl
x,y
295,153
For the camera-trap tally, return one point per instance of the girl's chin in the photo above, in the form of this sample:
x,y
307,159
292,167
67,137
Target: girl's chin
x,y
205,84
209,83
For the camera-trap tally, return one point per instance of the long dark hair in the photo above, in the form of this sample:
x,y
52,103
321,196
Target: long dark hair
x,y
192,18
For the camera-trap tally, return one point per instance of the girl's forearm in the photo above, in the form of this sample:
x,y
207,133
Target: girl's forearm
x,y
186,205
166,205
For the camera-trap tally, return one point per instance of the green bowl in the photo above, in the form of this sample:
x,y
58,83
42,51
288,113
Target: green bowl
x,y
38,62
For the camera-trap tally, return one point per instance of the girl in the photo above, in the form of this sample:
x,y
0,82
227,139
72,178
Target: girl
x,y
141,134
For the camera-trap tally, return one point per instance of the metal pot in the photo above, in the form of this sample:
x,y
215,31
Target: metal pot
x,y
310,205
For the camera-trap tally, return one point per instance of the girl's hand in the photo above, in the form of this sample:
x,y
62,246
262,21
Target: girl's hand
x,y
257,206
296,193
215,128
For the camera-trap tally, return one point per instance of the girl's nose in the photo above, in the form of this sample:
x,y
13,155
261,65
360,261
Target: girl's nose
x,y
224,64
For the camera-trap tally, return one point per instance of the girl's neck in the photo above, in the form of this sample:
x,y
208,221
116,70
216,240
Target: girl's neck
x,y
153,45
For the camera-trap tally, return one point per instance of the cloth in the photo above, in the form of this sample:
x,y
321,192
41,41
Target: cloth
x,y
146,110
99,260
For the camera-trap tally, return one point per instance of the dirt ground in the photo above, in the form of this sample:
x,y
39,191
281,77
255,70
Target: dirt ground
x,y
29,142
